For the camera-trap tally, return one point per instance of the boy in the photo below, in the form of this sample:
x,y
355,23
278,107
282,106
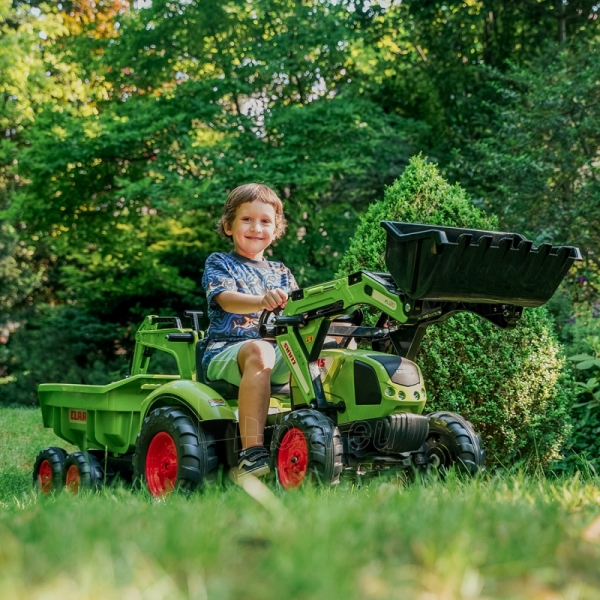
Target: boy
x,y
239,286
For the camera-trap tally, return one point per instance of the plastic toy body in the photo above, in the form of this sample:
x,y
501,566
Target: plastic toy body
x,y
346,410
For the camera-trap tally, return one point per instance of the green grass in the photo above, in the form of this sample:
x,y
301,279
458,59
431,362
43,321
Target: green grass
x,y
502,537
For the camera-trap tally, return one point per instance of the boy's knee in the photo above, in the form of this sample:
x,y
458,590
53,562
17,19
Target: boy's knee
x,y
258,353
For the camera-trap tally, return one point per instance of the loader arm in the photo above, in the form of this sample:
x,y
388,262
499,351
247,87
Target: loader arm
x,y
301,330
435,272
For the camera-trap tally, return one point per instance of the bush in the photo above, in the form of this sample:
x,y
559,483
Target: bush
x,y
59,345
513,385
583,448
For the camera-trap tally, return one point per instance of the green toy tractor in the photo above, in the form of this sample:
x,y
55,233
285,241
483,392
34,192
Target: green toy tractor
x,y
355,401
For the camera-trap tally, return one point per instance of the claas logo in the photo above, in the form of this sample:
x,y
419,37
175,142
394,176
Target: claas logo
x,y
289,352
79,416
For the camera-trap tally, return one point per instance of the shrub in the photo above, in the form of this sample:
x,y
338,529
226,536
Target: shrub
x,y
59,345
583,448
512,385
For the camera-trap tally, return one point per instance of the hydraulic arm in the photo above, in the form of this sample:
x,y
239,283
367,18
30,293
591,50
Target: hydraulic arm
x,y
435,272
307,320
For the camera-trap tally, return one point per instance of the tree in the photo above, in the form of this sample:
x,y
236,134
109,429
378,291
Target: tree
x,y
35,73
433,60
17,277
535,163
60,344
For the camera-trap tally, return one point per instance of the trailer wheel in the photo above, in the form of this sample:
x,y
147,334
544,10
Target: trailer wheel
x,y
173,452
82,471
452,441
48,470
307,447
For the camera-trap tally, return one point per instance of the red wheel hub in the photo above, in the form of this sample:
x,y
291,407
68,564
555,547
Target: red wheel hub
x,y
161,464
292,459
72,479
45,477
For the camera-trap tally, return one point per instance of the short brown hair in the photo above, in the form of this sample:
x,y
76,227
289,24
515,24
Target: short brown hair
x,y
250,192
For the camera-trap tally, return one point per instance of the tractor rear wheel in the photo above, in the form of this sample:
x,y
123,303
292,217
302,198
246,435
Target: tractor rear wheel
x,y
172,451
48,470
82,471
307,447
452,441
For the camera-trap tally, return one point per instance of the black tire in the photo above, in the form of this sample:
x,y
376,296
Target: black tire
x,y
82,471
109,473
307,446
51,462
452,441
482,452
189,454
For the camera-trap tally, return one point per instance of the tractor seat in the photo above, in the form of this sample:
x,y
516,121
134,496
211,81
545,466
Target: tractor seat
x,y
224,388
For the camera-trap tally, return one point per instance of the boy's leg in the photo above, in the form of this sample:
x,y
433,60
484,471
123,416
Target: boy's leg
x,y
256,360
249,365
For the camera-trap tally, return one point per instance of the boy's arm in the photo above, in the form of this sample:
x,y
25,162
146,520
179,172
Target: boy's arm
x,y
246,304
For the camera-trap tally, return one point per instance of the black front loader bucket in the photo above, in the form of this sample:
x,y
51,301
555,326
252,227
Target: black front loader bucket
x,y
471,265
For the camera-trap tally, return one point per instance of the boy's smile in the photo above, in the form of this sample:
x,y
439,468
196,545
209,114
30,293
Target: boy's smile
x,y
253,229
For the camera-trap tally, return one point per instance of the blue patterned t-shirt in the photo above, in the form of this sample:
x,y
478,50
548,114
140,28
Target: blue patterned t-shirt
x,y
235,273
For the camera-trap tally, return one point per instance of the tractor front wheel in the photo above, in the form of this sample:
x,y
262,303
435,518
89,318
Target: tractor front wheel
x,y
307,447
452,441
48,470
173,452
82,471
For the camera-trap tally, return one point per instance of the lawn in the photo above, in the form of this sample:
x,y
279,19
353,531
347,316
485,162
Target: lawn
x,y
502,536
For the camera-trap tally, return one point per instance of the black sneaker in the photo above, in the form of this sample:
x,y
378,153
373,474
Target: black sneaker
x,y
253,461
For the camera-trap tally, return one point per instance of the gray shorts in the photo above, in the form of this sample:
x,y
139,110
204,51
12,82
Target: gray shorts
x,y
225,366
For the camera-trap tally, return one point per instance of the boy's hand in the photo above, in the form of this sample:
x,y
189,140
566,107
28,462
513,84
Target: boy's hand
x,y
274,298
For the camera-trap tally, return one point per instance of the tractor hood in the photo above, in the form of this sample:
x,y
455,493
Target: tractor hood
x,y
471,265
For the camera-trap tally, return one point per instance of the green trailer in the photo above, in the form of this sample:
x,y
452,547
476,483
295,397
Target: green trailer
x,y
356,399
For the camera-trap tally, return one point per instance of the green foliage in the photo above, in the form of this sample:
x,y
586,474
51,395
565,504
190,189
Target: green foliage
x,y
28,55
17,277
535,161
433,60
511,384
421,195
110,194
583,450
60,344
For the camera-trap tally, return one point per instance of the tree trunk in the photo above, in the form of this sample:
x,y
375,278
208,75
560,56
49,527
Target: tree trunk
x,y
562,23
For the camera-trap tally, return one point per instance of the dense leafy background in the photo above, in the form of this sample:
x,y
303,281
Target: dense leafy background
x,y
125,125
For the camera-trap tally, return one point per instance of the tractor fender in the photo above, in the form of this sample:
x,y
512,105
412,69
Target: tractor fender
x,y
201,399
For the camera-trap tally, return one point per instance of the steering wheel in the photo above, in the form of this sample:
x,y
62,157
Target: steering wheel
x,y
266,326
267,315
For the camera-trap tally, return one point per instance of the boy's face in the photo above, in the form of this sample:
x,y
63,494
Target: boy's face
x,y
253,229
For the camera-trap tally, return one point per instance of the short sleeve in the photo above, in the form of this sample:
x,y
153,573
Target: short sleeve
x,y
292,284
217,278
